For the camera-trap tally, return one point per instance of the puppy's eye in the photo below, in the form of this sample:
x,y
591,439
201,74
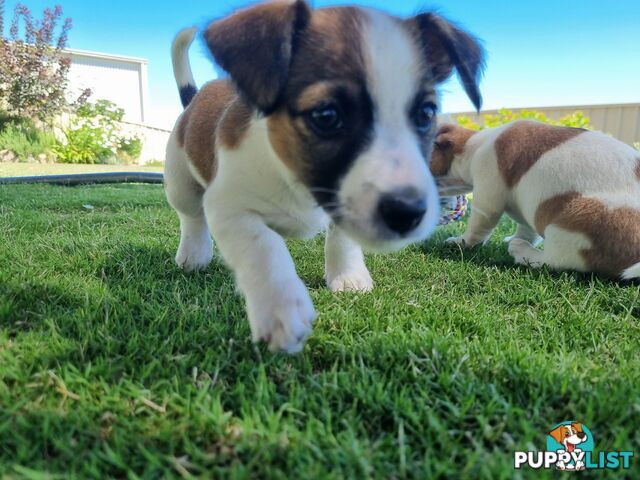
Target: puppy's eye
x,y
424,115
326,120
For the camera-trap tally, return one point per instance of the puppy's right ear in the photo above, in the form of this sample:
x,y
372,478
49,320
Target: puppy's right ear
x,y
255,47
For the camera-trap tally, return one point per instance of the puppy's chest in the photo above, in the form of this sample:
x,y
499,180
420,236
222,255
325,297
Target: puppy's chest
x,y
297,224
284,205
288,210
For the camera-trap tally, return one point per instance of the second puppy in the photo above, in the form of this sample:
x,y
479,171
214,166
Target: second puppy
x,y
578,189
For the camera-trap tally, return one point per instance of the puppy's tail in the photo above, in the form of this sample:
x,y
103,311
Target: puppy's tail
x,y
182,67
631,272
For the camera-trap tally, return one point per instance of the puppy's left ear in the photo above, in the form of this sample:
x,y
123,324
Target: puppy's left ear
x,y
255,47
446,46
558,434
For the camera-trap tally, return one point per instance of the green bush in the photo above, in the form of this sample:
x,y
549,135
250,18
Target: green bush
x,y
154,163
130,149
25,140
504,116
95,136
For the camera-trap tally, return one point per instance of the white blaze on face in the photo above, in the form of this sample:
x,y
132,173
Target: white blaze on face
x,y
393,161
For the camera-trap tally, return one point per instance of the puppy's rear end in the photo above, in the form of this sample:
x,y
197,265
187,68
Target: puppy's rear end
x,y
580,190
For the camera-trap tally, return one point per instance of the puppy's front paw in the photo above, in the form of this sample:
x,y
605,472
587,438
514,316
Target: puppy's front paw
x,y
195,255
457,241
351,281
282,317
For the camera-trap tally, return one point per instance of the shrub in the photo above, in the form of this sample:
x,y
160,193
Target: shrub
x,y
154,163
25,140
576,119
95,136
33,66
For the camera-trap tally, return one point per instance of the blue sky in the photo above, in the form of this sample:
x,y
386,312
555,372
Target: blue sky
x,y
541,53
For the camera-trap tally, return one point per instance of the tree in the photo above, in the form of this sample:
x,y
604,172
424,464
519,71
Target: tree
x,y
33,66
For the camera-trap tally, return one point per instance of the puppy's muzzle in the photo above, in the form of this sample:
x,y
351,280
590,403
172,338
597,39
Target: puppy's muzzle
x,y
402,211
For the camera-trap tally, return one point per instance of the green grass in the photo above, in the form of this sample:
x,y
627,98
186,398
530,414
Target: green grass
x,y
114,364
29,169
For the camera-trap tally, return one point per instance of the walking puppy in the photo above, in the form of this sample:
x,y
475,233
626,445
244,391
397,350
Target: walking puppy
x,y
327,121
580,190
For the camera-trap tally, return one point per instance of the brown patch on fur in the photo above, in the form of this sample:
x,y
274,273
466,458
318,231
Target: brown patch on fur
x,y
215,112
328,67
520,146
614,233
282,134
313,95
234,124
255,46
451,140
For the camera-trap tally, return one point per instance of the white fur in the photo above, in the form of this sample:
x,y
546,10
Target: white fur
x,y
344,263
251,203
631,273
180,58
394,160
582,164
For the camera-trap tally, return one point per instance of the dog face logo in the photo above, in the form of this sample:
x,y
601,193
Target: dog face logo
x,y
571,438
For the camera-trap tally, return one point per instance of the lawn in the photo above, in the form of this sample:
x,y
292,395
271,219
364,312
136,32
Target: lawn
x,y
114,364
29,169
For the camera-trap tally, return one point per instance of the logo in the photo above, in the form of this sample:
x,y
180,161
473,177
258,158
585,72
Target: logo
x,y
571,447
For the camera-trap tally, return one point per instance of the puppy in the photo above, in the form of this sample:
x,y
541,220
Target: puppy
x,y
578,189
570,436
326,123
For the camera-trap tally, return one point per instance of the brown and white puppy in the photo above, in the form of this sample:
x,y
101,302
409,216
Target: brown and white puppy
x,y
570,436
578,189
327,121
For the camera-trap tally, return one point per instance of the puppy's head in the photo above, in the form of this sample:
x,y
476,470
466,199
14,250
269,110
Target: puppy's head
x,y
569,435
450,142
350,99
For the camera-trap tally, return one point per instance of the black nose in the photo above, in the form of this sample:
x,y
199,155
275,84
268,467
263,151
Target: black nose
x,y
402,212
581,435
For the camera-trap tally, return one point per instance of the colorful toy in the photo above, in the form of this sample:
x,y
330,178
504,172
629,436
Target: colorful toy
x,y
453,209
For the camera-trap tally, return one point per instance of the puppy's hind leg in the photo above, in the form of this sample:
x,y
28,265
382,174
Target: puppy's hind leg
x,y
345,270
185,196
526,254
526,233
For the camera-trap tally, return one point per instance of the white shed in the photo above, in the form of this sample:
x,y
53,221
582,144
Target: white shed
x,y
122,80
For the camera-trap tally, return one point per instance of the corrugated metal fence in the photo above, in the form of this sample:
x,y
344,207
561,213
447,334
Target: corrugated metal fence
x,y
621,120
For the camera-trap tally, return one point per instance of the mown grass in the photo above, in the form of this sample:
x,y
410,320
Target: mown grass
x,y
114,364
33,169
